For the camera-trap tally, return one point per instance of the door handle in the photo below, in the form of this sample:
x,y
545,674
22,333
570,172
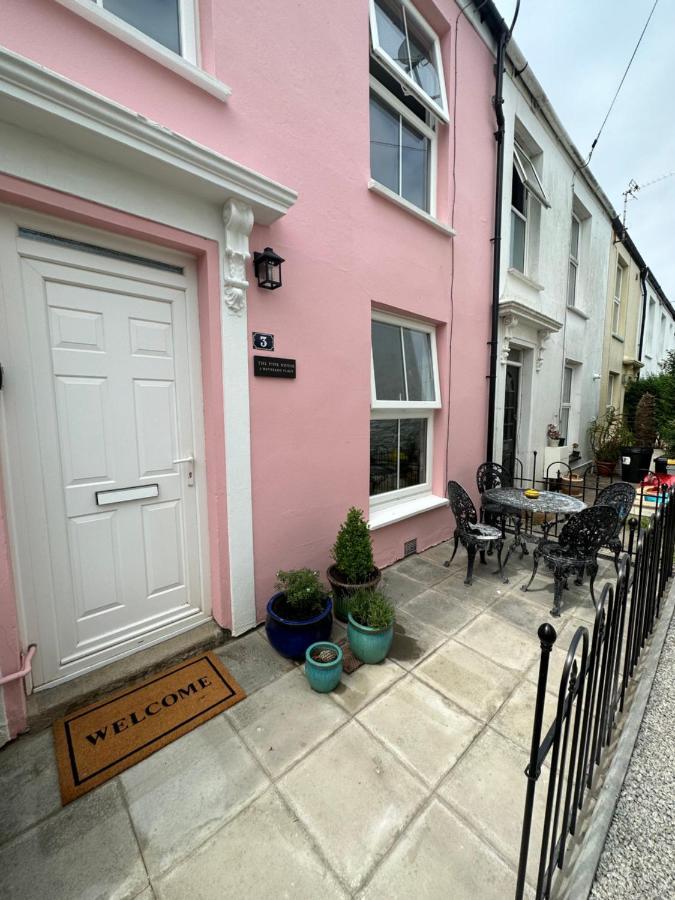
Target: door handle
x,y
191,470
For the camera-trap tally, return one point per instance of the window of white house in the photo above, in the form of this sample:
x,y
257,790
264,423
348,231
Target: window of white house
x,y
616,304
651,315
526,188
612,390
565,406
169,22
404,43
573,266
405,392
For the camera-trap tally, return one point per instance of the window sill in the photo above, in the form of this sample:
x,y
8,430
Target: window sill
x,y
578,312
528,281
148,47
382,516
617,337
383,191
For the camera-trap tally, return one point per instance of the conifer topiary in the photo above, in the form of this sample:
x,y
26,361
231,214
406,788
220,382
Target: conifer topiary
x,y
353,548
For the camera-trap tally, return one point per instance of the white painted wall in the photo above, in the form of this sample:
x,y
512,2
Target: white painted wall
x,y
553,333
659,333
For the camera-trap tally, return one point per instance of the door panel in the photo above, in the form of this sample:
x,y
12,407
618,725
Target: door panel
x,y
510,432
109,364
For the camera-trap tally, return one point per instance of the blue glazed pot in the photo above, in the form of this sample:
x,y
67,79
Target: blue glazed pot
x,y
323,677
370,645
292,637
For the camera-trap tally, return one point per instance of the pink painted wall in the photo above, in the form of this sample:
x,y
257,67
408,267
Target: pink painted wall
x,y
299,114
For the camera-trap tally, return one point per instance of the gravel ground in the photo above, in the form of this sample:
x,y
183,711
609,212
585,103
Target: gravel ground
x,y
638,859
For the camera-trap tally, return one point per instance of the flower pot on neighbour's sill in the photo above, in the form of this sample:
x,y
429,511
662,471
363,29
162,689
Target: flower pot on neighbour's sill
x,y
323,674
370,645
292,637
343,590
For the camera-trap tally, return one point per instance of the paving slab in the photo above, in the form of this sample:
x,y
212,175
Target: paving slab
x,y
439,858
439,553
285,720
413,640
421,569
421,728
517,609
399,587
503,643
365,684
441,610
263,853
29,783
187,790
253,661
481,593
514,720
354,798
487,787
88,849
473,682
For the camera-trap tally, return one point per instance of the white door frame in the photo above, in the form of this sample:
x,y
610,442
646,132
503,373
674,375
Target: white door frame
x,y
25,499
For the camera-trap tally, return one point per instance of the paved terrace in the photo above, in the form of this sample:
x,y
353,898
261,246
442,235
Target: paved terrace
x,y
405,782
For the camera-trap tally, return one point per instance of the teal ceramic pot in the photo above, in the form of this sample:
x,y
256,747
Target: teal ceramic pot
x,y
323,677
370,645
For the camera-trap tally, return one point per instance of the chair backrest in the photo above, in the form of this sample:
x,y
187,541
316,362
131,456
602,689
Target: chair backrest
x,y
620,496
462,506
586,531
492,475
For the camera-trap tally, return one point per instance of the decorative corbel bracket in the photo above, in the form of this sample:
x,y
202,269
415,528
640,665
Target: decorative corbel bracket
x,y
238,218
543,336
510,323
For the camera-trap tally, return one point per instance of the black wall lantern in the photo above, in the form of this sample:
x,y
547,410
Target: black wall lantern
x,y
267,268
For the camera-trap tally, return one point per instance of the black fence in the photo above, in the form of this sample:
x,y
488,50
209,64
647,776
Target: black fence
x,y
595,678
586,486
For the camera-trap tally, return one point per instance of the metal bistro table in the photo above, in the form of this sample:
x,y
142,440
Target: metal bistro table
x,y
514,499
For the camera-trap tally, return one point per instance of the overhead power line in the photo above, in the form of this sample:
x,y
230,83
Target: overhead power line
x,y
623,78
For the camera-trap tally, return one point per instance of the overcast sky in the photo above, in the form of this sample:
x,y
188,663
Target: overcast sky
x,y
579,49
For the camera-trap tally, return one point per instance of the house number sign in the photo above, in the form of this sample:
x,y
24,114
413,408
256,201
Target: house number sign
x,y
273,367
262,341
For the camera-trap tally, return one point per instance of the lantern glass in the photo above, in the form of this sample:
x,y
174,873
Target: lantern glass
x,y
268,269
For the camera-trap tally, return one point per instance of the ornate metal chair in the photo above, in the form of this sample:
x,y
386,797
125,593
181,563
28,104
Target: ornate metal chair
x,y
620,496
492,475
474,536
576,549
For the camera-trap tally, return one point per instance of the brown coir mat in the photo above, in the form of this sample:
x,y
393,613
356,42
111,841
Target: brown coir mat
x,y
99,741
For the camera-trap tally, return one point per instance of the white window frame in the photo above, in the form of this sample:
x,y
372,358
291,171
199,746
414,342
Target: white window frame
x,y
425,129
612,382
532,182
616,302
185,65
525,218
574,262
410,85
407,409
566,405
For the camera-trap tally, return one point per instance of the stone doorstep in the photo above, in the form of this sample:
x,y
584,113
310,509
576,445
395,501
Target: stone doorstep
x,y
44,707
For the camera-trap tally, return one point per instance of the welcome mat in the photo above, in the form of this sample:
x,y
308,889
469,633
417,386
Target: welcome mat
x,y
99,741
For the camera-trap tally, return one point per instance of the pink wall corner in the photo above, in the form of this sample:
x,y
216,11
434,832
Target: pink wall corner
x,y
20,193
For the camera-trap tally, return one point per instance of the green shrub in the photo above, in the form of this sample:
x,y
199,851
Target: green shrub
x,y
353,548
662,387
607,434
304,593
371,608
645,420
667,436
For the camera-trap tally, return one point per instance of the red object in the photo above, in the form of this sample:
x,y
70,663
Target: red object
x,y
654,479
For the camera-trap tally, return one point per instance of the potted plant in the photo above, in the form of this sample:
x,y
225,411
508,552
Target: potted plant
x,y
575,454
299,614
606,435
354,567
371,625
552,435
323,666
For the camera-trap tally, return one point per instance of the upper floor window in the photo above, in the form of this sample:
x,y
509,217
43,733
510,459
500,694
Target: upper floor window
x,y
616,303
526,189
566,404
573,266
405,391
169,22
404,43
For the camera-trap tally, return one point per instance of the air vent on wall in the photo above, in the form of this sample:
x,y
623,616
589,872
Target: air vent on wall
x,y
410,547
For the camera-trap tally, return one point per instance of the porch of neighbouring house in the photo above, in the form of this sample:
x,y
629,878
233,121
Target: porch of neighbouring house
x,y
406,781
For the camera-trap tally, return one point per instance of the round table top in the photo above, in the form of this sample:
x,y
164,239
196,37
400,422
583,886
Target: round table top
x,y
546,502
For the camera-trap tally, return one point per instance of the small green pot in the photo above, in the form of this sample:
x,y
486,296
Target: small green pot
x,y
370,645
323,677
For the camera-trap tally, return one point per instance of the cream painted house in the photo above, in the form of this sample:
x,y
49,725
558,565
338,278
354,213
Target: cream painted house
x,y
621,345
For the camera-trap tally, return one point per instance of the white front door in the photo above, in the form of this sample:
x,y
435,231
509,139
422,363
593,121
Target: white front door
x,y
112,517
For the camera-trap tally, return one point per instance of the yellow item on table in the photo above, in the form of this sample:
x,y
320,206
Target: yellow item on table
x,y
531,493
671,462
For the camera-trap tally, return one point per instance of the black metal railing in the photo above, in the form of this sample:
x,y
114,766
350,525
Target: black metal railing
x,y
586,485
596,675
